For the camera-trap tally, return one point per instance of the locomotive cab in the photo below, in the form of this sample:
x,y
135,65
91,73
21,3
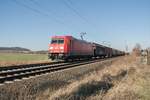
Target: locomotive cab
x,y
58,48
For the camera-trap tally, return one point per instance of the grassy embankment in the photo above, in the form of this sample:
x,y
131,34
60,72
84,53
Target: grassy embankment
x,y
126,79
19,58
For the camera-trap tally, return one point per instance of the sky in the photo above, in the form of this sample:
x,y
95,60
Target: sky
x,y
115,23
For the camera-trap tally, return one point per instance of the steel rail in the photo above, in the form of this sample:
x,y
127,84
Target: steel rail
x,y
29,69
13,75
5,68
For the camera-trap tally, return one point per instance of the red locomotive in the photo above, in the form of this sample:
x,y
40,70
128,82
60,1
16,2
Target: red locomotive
x,y
68,47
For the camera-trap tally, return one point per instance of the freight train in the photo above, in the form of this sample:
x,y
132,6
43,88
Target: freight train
x,y
68,47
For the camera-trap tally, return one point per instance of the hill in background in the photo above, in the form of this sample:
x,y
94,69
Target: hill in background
x,y
13,49
20,50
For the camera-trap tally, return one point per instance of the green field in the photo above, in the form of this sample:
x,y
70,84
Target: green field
x,y
19,58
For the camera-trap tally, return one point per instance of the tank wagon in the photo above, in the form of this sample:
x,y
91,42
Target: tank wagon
x,y
68,47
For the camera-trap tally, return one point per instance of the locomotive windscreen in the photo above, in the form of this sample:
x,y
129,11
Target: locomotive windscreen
x,y
57,41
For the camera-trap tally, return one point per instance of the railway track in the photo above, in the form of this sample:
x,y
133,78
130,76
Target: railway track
x,y
13,73
27,66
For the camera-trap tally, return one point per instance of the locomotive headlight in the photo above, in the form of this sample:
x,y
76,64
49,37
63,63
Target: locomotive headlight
x,y
61,47
51,48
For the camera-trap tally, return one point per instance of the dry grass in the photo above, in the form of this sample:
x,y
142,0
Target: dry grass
x,y
90,84
123,80
130,88
117,79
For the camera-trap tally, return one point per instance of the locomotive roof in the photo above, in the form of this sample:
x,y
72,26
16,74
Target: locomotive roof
x,y
68,36
61,36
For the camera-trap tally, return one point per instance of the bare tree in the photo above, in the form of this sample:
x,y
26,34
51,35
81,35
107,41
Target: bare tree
x,y
137,49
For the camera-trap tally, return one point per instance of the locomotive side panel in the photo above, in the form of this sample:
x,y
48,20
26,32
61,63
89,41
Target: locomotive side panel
x,y
80,48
